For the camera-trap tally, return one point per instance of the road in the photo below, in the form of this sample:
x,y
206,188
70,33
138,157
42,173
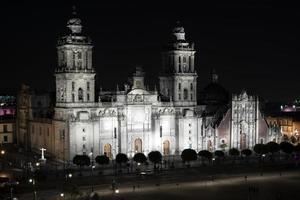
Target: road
x,y
270,185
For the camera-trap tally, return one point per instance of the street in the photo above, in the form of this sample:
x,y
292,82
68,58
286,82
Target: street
x,y
270,186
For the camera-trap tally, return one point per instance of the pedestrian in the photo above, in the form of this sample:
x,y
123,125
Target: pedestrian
x,y
133,187
246,178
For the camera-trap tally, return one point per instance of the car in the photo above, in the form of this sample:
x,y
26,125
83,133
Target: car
x,y
146,173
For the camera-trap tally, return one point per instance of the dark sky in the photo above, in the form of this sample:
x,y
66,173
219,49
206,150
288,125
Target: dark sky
x,y
251,45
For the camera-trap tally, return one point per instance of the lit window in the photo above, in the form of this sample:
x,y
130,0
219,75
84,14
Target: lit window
x,y
185,94
80,94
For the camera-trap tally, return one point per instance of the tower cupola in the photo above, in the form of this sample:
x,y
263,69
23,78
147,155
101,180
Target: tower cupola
x,y
74,24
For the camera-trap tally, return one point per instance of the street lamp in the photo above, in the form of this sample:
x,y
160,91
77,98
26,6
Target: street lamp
x,y
70,175
2,152
92,167
32,181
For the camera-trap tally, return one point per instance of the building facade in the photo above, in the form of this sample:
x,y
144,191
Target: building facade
x,y
136,119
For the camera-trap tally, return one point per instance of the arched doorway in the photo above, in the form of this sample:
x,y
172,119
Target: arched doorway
x,y
138,146
243,143
107,150
209,145
166,147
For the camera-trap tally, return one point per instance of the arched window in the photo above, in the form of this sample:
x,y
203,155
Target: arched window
x,y
107,150
192,86
185,94
80,94
73,97
184,59
209,145
138,146
166,147
179,86
73,86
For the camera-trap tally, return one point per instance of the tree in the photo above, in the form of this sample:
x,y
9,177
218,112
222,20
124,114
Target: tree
x,y
234,153
102,160
139,158
286,147
273,147
219,153
155,157
188,155
297,148
205,154
260,149
246,152
81,160
121,158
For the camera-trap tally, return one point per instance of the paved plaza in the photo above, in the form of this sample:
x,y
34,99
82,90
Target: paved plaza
x,y
270,186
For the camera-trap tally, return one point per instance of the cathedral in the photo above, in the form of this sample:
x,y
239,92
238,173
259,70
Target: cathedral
x,y
134,119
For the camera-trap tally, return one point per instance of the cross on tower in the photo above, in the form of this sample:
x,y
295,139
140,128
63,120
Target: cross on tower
x,y
43,150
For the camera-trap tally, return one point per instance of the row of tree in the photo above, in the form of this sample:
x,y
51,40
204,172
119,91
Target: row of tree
x,y
189,155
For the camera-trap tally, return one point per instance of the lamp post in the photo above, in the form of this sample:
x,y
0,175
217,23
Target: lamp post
x,y
297,135
92,167
33,182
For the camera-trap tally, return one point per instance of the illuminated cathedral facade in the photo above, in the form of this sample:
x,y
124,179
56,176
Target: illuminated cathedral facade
x,y
135,119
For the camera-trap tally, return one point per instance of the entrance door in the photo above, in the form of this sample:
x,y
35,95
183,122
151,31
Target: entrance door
x,y
243,143
166,147
107,150
138,146
209,145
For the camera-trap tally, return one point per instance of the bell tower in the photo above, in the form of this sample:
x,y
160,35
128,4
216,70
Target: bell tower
x,y
179,78
74,74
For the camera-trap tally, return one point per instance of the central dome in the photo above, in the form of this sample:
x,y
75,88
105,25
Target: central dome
x,y
214,93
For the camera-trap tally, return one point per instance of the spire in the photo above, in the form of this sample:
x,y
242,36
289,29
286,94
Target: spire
x,y
214,76
178,31
74,24
74,10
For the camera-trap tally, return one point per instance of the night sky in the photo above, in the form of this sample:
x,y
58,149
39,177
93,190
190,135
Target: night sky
x,y
252,46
